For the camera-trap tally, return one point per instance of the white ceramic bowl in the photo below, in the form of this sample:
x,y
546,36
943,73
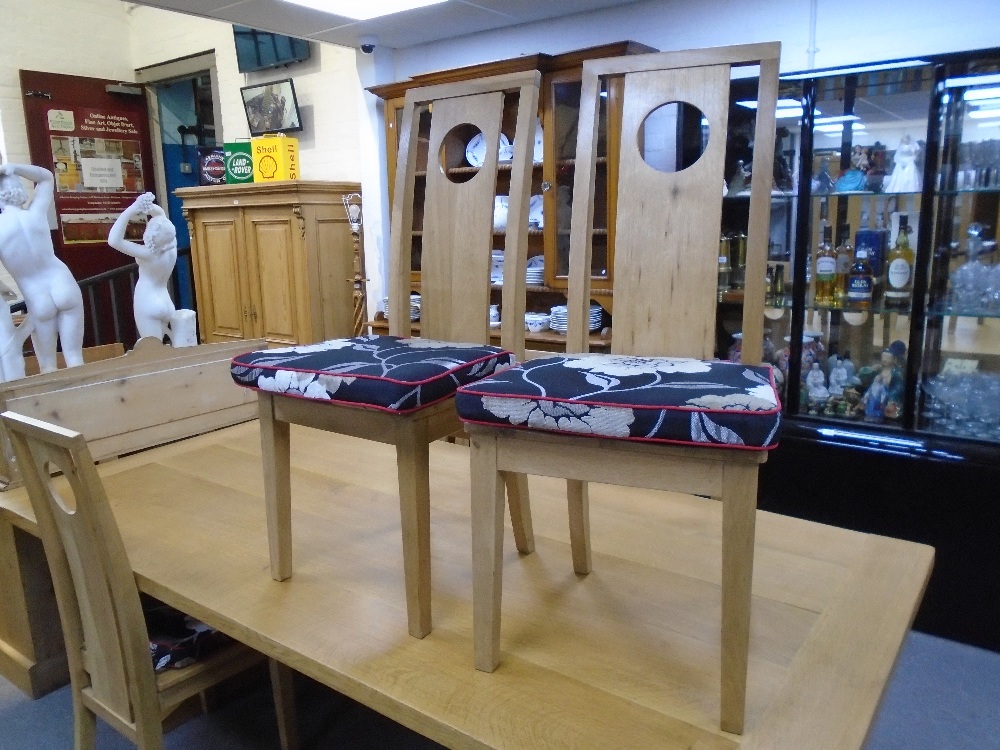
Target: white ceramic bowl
x,y
536,322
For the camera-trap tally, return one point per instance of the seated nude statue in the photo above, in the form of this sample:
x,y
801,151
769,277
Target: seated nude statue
x,y
51,294
156,257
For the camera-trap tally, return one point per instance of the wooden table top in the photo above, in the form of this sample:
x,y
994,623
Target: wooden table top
x,y
625,657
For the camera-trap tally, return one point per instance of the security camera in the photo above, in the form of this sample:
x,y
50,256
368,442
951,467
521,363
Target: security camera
x,y
368,44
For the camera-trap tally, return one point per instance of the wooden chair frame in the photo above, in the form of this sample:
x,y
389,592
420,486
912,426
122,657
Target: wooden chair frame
x,y
680,323
111,672
458,227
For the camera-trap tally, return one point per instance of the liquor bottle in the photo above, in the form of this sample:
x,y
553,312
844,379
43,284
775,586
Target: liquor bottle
x,y
845,257
826,269
860,282
899,270
738,261
724,267
779,285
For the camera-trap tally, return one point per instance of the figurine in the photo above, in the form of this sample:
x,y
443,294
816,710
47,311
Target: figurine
x,y
152,305
740,181
823,182
51,294
838,378
883,399
904,178
816,383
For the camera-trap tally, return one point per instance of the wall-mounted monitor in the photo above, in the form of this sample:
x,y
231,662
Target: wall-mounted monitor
x,y
272,107
259,50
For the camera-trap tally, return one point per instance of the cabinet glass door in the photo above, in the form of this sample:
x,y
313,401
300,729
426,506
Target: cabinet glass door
x,y
562,117
866,173
960,375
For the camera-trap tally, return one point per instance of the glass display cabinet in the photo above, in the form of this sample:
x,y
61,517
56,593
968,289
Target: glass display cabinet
x,y
892,307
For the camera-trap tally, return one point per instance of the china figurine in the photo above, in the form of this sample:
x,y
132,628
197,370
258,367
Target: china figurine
x,y
884,397
740,181
904,178
735,352
823,182
838,378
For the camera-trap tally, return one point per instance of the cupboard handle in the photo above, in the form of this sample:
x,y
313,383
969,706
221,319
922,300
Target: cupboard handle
x,y
245,314
253,313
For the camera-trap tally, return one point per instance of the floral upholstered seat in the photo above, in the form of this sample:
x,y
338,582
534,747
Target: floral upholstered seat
x,y
388,373
654,399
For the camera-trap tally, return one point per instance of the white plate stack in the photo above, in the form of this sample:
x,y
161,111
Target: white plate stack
x,y
414,307
559,321
535,273
496,267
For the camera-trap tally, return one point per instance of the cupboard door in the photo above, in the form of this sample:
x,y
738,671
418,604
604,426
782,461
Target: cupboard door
x,y
273,272
223,305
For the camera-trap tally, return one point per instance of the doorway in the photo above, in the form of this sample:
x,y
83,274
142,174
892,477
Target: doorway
x,y
185,114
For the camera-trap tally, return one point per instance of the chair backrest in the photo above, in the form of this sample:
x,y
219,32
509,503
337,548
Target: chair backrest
x,y
455,208
667,224
107,642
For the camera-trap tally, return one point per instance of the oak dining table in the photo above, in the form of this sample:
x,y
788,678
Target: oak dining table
x,y
624,657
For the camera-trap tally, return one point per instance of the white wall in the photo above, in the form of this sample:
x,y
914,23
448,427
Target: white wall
x,y
326,87
78,37
111,38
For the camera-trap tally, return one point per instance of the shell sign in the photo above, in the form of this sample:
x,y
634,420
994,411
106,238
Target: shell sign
x,y
275,157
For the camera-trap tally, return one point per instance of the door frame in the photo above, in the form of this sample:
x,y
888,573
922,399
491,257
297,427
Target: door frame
x,y
171,70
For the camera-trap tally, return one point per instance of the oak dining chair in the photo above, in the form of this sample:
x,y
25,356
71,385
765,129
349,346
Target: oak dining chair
x,y
399,389
107,642
657,412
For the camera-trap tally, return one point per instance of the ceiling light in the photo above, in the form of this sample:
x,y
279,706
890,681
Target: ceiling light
x,y
978,95
856,69
836,118
835,127
982,114
982,80
362,10
782,103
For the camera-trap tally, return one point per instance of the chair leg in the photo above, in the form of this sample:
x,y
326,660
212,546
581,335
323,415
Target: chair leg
x,y
276,456
283,689
487,551
520,511
412,466
84,726
578,500
739,511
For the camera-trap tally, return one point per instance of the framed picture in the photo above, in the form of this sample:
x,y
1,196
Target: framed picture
x,y
271,107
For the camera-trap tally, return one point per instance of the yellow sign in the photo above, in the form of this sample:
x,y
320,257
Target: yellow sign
x,y
275,157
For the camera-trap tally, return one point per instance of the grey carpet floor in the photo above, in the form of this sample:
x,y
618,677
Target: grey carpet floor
x,y
943,696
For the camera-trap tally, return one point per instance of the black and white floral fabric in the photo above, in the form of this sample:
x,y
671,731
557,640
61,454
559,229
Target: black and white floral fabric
x,y
381,372
658,399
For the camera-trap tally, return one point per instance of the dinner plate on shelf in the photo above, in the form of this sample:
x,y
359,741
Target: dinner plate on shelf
x,y
536,214
475,150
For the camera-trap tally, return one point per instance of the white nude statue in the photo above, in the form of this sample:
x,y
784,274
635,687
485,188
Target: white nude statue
x,y
51,294
156,257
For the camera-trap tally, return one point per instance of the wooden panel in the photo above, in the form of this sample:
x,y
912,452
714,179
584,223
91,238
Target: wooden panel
x,y
458,227
222,298
152,395
666,257
329,239
274,276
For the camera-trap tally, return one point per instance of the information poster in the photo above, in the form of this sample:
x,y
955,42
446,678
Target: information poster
x,y
98,167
